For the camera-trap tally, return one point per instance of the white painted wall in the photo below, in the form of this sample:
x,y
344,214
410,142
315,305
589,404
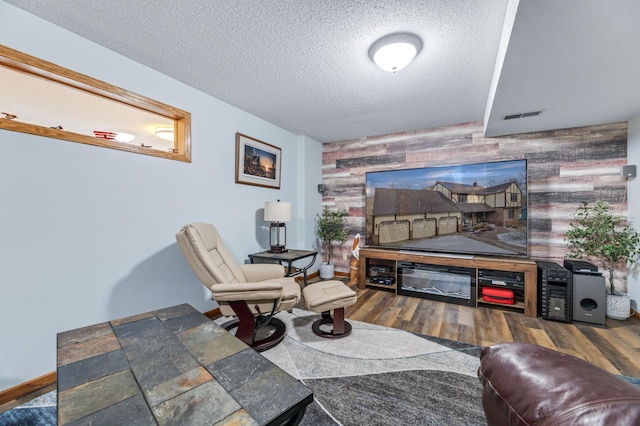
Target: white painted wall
x,y
87,234
633,203
311,157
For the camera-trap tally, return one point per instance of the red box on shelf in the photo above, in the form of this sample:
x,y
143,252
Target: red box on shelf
x,y
498,295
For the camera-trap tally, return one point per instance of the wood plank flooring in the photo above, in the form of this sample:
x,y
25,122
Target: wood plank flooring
x,y
615,348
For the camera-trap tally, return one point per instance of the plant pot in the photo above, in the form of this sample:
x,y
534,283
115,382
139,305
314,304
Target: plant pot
x,y
327,271
618,305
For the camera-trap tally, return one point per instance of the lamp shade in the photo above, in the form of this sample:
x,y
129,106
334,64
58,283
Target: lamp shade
x,y
395,51
276,211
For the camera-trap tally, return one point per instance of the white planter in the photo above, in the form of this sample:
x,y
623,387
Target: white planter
x,y
327,271
618,305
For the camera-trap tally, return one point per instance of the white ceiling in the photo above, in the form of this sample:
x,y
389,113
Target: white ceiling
x,y
304,65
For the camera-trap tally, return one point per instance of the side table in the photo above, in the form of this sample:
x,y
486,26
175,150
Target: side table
x,y
286,259
172,366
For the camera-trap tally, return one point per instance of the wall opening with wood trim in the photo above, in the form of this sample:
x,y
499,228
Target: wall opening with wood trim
x,y
44,99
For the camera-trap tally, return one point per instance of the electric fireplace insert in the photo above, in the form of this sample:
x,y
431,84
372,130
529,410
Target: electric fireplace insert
x,y
449,284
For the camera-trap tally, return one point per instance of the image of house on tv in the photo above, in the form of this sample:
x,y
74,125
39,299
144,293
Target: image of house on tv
x,y
446,208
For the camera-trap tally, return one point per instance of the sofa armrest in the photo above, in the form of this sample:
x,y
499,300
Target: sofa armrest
x,y
256,272
526,384
246,291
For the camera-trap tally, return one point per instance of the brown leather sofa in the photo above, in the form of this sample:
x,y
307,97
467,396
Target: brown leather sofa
x,y
525,384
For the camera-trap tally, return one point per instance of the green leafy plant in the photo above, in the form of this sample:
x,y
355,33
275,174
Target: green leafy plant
x,y
332,229
597,233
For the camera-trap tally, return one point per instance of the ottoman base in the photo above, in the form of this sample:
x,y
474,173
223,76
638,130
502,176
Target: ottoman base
x,y
341,328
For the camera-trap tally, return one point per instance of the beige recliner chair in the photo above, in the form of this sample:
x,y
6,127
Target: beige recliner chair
x,y
253,293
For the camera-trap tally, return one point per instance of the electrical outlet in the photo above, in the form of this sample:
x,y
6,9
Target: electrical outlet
x,y
344,256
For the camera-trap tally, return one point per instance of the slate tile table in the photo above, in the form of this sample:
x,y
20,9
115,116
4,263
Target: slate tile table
x,y
170,367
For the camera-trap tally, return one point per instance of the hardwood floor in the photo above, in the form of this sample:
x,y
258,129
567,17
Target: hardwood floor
x,y
615,348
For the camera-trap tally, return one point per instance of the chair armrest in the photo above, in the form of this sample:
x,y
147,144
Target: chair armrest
x,y
246,291
256,272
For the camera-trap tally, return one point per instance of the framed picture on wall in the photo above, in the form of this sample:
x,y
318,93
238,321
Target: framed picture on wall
x,y
257,163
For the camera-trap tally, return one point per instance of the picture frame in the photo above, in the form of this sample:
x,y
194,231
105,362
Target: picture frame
x,y
257,163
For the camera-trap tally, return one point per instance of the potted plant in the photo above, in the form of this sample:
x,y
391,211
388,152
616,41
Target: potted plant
x,y
596,233
332,230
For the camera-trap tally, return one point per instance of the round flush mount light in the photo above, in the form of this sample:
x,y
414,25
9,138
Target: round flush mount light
x,y
124,137
165,133
395,51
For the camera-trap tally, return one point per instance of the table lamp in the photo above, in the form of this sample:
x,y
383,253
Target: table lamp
x,y
277,212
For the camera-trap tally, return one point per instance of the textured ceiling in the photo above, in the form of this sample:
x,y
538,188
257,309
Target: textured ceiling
x,y
305,67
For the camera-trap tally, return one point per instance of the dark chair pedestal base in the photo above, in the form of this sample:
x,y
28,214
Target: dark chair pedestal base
x,y
249,332
272,339
341,328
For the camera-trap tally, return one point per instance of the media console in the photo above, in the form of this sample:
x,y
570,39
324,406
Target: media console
x,y
451,278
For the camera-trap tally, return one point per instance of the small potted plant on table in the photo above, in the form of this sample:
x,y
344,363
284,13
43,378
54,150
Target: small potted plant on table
x,y
332,230
598,234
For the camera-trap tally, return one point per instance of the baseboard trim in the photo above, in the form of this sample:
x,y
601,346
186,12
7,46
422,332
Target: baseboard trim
x,y
315,274
27,388
213,314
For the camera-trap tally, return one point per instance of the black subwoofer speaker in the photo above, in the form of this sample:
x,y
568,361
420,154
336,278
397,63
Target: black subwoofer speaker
x,y
589,298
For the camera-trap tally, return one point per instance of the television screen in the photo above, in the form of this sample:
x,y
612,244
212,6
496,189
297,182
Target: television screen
x,y
478,209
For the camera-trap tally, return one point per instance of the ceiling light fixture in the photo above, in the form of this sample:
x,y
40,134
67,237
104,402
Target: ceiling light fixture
x,y
124,137
395,51
165,133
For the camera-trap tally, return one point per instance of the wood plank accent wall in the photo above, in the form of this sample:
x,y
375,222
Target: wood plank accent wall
x,y
565,168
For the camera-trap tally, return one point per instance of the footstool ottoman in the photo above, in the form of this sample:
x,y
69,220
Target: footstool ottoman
x,y
327,296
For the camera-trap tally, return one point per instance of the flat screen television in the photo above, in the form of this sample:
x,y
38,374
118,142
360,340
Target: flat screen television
x,y
468,209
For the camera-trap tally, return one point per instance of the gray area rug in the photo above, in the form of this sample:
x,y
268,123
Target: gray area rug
x,y
418,397
40,411
381,376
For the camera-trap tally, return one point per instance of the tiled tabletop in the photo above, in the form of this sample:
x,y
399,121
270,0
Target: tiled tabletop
x,y
171,366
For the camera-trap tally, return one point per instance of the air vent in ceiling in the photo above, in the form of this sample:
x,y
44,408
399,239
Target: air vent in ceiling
x,y
521,115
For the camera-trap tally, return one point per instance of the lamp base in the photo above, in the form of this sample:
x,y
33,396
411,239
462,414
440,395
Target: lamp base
x,y
276,230
278,249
